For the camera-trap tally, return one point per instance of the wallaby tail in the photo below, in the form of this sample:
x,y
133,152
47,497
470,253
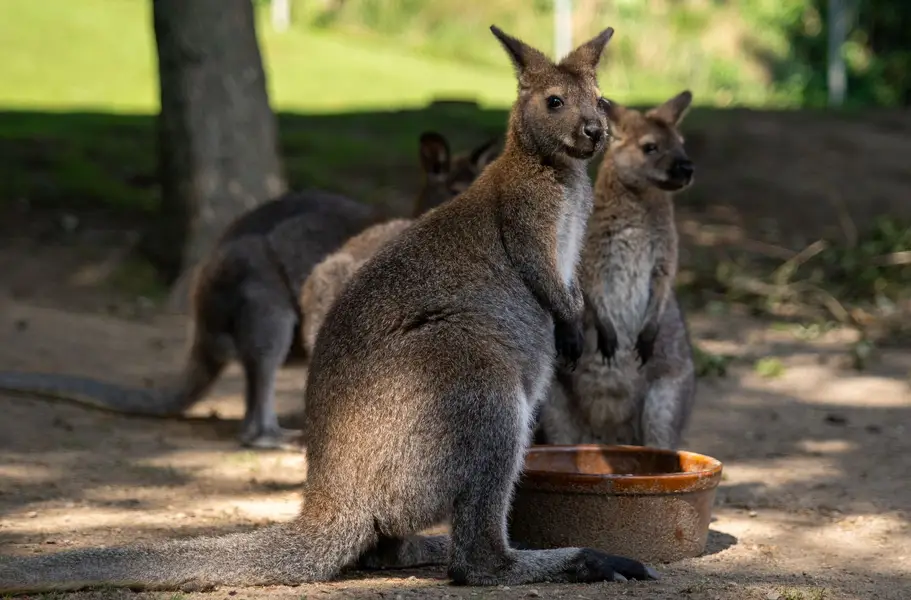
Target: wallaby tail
x,y
201,369
286,554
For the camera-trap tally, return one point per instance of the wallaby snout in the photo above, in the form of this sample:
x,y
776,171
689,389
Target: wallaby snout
x,y
593,131
681,171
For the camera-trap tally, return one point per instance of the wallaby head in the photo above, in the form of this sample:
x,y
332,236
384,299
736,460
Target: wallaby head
x,y
559,110
447,176
646,149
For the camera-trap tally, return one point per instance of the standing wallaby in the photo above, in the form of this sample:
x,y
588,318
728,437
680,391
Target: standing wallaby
x,y
424,380
629,265
245,298
446,178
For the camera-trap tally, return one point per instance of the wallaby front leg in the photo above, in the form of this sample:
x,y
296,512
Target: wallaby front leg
x,y
569,336
659,290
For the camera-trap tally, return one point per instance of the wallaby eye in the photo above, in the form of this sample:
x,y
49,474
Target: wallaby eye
x,y
603,103
554,102
649,148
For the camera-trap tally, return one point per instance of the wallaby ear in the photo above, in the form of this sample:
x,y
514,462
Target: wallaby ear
x,y
588,55
672,111
523,56
614,111
485,154
435,157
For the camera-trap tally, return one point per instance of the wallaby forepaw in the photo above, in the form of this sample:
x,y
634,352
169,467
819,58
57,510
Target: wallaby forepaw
x,y
607,343
569,338
645,344
593,565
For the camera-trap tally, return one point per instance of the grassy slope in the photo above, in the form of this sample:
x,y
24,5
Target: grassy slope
x,y
100,55
78,87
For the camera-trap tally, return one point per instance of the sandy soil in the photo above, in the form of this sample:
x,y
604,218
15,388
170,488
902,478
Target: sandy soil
x,y
815,501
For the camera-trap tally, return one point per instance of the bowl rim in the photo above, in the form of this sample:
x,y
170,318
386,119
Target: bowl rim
x,y
671,482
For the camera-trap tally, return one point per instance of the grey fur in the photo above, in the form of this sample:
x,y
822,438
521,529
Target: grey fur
x,y
245,298
629,265
422,387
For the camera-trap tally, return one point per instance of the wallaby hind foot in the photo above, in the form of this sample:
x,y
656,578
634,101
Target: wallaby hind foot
x,y
263,341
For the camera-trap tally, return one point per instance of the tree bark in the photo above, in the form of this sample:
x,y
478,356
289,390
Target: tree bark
x,y
218,148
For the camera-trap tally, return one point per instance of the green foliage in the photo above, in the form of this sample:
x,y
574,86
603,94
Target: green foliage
x,y
878,266
708,364
769,367
660,47
877,54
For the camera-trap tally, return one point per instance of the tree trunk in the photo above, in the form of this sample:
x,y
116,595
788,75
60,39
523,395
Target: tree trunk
x,y
218,150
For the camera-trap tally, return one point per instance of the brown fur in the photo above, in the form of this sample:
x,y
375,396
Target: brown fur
x,y
423,383
329,277
244,298
444,178
628,269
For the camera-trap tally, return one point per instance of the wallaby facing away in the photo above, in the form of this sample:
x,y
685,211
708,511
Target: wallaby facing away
x,y
446,177
245,298
329,277
424,380
629,264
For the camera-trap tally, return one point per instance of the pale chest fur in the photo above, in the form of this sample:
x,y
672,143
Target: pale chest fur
x,y
571,227
626,241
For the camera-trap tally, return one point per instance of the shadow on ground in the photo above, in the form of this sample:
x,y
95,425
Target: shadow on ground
x,y
783,177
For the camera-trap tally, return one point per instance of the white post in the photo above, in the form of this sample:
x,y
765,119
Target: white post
x,y
563,28
838,31
281,14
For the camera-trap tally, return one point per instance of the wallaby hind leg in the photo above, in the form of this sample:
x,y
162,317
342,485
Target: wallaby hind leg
x,y
263,338
481,554
403,553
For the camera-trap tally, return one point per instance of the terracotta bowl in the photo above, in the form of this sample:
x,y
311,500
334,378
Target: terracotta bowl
x,y
644,503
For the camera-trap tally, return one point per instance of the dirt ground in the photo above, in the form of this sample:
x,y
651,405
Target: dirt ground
x,y
815,501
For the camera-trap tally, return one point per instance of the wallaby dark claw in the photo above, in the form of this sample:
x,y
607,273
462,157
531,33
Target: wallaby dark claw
x,y
569,338
607,342
645,343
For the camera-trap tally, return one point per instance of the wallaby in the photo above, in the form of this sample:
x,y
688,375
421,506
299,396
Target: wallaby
x,y
327,279
245,298
424,380
629,264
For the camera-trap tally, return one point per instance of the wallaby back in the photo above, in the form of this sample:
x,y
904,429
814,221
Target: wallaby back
x,y
424,380
629,267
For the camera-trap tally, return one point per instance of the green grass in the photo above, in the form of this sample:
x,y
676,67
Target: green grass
x,y
78,91
100,55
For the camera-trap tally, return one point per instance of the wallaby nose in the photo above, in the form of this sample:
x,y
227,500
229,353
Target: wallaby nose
x,y
593,131
683,169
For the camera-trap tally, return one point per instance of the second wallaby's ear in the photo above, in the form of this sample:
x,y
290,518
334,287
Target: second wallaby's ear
x,y
435,156
523,56
485,154
588,55
673,111
614,111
